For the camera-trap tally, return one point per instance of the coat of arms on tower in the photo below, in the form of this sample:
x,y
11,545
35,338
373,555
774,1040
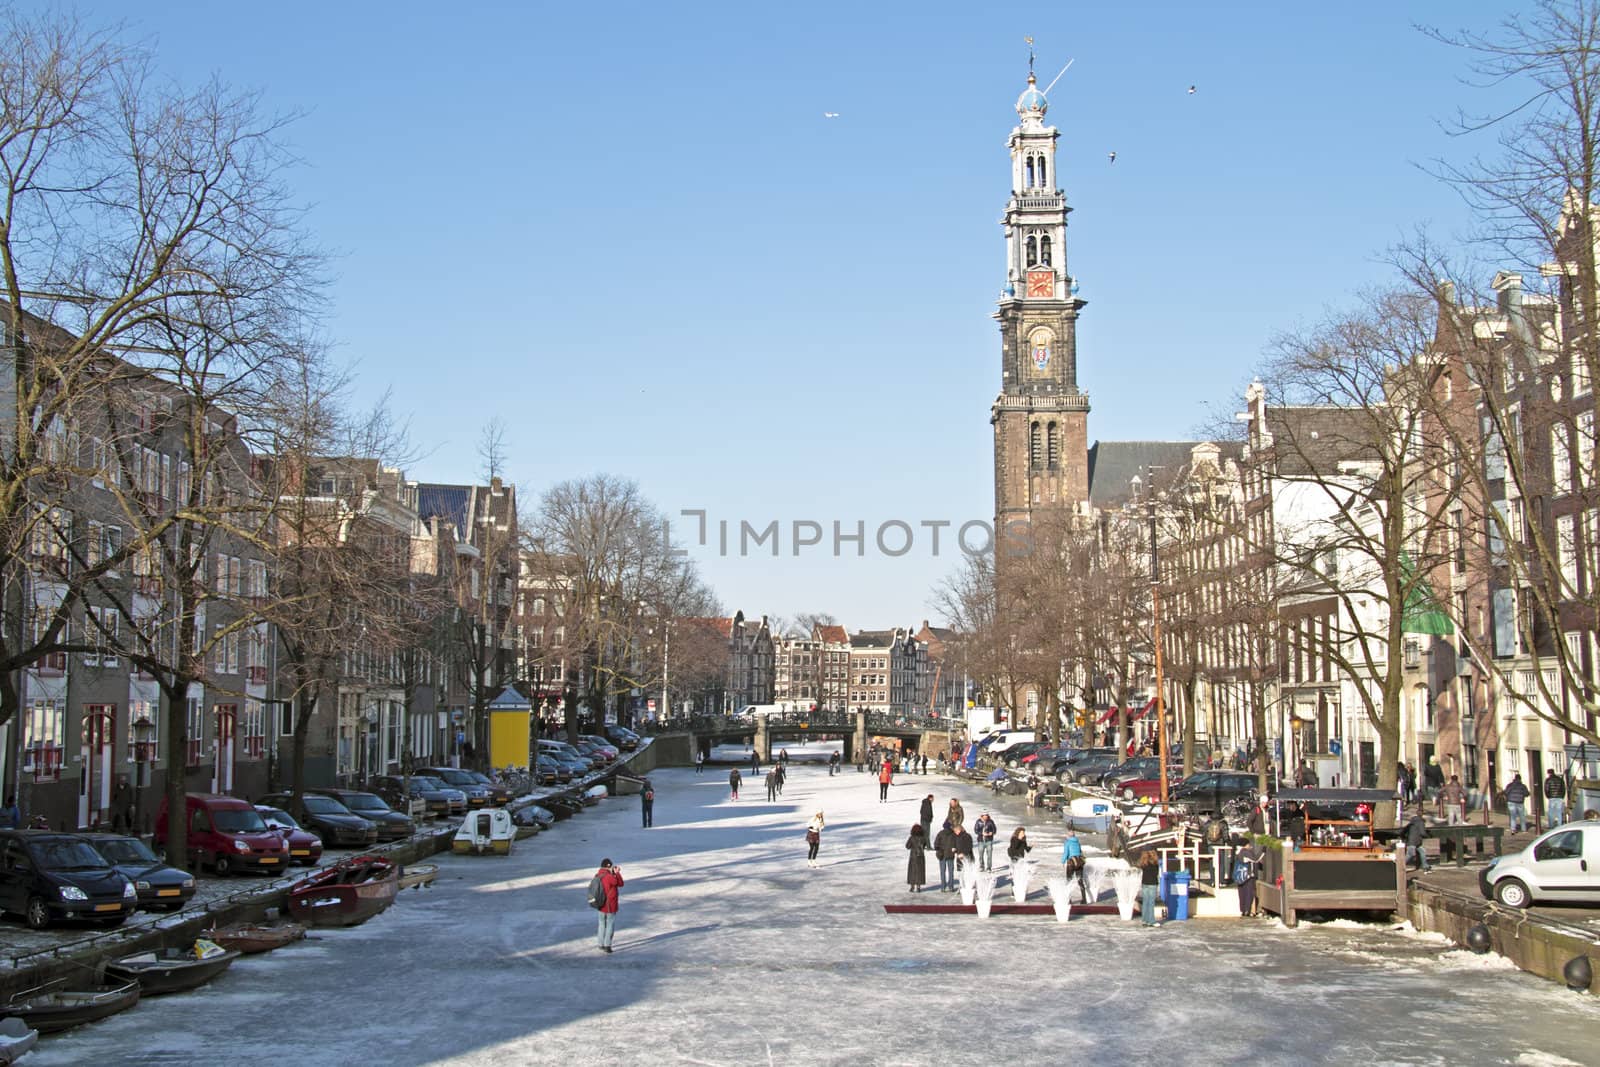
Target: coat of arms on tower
x,y
1041,356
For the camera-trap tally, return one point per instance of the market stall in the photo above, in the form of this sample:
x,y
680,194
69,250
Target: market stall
x,y
1329,856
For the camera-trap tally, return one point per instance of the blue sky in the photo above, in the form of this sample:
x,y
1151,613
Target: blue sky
x,y
630,233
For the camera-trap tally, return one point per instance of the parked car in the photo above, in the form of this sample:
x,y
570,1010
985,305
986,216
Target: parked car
x,y
1014,755
567,754
1143,767
624,738
330,820
1146,788
305,847
46,876
1207,792
1076,755
608,751
392,825
478,796
1087,771
160,887
441,800
550,770
499,792
1560,865
1045,758
226,834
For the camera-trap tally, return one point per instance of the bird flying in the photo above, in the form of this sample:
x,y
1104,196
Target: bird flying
x,y
1191,90
1112,156
830,114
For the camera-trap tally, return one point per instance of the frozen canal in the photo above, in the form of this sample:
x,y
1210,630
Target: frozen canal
x,y
729,950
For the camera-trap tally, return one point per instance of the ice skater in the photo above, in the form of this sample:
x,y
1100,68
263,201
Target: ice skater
x,y
1072,860
813,838
944,851
983,832
772,785
925,816
885,777
782,775
1018,848
733,782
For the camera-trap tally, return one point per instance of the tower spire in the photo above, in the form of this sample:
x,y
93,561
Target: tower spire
x,y
1030,58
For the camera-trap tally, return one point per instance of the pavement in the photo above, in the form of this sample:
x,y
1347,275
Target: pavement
x,y
730,950
1445,875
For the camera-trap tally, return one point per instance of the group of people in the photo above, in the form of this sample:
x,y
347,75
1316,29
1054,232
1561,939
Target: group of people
x,y
954,847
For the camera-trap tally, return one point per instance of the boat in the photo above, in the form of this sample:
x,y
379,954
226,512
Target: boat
x,y
52,1010
249,938
595,794
15,1040
490,830
346,894
173,970
624,785
418,874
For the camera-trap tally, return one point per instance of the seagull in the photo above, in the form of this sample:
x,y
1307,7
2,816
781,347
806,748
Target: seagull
x,y
1112,156
835,114
1191,90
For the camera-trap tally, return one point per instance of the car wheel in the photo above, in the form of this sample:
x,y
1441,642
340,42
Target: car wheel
x,y
222,863
1128,794
38,913
1510,892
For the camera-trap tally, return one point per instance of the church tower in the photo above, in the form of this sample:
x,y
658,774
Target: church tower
x,y
1040,418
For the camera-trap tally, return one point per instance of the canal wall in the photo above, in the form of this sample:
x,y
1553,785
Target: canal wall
x,y
1535,945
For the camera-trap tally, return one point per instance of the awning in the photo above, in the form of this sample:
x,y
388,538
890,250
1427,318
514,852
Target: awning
x,y
1133,714
1423,613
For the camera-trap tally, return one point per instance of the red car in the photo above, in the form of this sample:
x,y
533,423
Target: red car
x,y
305,847
1146,788
227,834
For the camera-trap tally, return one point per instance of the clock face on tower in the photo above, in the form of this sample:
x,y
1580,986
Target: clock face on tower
x,y
1042,283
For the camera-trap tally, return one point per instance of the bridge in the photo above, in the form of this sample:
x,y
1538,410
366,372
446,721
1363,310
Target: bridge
x,y
858,729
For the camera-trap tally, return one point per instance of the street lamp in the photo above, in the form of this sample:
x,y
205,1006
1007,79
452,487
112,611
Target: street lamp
x,y
143,731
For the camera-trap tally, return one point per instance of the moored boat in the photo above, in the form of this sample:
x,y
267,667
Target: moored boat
x,y
346,894
418,874
173,970
15,1040
249,938
487,831
52,1010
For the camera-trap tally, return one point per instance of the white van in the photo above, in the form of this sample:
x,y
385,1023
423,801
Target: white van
x,y
759,711
1561,864
1004,739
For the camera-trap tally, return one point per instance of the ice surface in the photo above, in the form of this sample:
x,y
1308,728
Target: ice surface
x,y
730,950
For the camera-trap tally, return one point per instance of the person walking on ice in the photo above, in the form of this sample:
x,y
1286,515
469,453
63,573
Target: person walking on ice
x,y
885,777
609,878
772,785
647,804
733,782
813,838
699,762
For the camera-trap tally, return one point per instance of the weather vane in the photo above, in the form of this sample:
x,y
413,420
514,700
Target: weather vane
x,y
1030,53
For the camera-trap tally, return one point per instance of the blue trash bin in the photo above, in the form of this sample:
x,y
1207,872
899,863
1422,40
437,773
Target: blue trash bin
x,y
1178,902
1164,891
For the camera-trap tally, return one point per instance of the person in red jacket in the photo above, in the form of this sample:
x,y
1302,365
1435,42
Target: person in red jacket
x,y
885,777
611,881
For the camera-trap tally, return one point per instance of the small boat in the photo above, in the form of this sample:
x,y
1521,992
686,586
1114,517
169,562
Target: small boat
x,y
173,970
50,1011
490,830
627,786
15,1040
249,938
346,894
595,794
418,874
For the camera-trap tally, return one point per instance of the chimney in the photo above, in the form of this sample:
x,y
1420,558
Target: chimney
x,y
1508,286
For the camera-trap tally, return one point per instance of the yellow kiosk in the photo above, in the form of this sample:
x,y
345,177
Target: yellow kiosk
x,y
509,715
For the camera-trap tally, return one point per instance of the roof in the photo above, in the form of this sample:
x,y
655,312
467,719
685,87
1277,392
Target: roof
x,y
833,635
1113,465
449,501
1316,440
872,638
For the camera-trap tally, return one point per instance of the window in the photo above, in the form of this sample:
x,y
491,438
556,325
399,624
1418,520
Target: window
x,y
143,710
257,589
1053,446
1033,250
1586,473
1027,167
44,743
1044,251
1561,458
1044,179
1567,552
1458,541
253,730
101,626
195,731
1035,447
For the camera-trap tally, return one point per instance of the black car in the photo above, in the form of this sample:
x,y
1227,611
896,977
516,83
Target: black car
x,y
46,876
330,820
622,737
160,887
392,825
1088,769
1207,792
478,794
440,798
